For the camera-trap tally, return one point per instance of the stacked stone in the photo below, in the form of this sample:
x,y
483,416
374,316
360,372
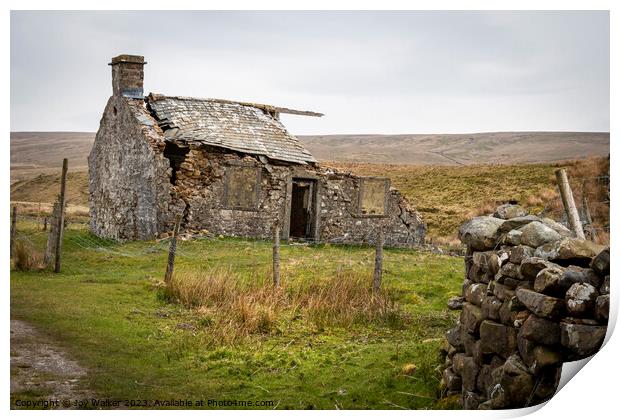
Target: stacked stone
x,y
534,297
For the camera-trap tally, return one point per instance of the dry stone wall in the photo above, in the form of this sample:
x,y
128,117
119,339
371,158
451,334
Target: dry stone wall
x,y
533,297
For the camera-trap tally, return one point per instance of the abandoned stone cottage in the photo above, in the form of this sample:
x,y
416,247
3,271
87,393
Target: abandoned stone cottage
x,y
230,168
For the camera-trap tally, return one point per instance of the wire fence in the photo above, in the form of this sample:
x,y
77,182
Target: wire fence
x,y
592,198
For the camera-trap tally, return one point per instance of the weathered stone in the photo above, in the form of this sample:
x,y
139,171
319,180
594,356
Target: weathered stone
x,y
515,223
454,337
558,227
451,351
518,318
511,283
496,259
490,307
544,357
576,251
470,400
458,363
535,234
502,292
574,274
580,321
479,232
513,237
510,270
540,330
605,286
531,266
583,340
539,304
515,305
518,253
484,381
475,293
602,308
466,284
479,355
516,382
509,211
526,349
471,317
505,314
548,281
498,338
470,374
483,265
455,302
469,343
451,380
600,263
580,299
546,384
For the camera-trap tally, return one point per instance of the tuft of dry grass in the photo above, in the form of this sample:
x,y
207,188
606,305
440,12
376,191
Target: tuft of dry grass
x,y
26,258
233,308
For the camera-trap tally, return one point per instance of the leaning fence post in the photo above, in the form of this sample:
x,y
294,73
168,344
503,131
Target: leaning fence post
x,y
586,212
569,203
61,214
173,250
13,227
276,254
376,285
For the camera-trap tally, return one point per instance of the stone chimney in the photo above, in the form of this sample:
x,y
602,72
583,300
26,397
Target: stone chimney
x,y
128,75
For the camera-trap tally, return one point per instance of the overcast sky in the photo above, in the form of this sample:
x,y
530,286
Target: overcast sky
x,y
369,72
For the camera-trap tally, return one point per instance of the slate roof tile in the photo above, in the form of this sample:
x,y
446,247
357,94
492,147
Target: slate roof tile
x,y
231,125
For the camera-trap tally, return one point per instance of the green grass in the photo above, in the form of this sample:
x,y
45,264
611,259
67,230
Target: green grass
x,y
104,308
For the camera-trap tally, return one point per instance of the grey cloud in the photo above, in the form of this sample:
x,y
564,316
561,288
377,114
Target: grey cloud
x,y
368,71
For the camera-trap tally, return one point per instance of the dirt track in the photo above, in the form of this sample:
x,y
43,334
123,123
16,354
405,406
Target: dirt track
x,y
42,371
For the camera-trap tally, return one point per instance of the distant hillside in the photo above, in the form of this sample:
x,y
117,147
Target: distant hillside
x,y
42,152
459,149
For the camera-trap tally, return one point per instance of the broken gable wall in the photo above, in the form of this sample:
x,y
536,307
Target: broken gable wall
x,y
128,176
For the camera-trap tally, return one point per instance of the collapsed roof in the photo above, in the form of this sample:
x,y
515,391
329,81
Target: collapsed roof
x,y
240,126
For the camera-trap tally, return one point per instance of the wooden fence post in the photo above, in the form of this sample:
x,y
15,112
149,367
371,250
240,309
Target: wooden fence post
x,y
44,223
173,249
276,254
61,214
569,203
376,285
13,227
51,237
586,212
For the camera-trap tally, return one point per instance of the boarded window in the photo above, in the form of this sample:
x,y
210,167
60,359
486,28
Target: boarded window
x,y
242,187
373,192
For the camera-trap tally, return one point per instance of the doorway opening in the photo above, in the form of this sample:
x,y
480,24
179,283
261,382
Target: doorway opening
x,y
302,215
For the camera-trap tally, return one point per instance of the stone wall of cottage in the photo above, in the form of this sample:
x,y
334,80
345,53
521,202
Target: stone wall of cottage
x,y
533,297
199,192
129,188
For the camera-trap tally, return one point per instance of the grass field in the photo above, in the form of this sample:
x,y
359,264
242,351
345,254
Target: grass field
x,y
106,308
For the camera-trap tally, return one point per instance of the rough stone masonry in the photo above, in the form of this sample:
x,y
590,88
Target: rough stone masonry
x,y
533,297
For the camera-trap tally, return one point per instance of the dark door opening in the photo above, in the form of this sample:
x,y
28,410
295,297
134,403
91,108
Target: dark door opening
x,y
302,217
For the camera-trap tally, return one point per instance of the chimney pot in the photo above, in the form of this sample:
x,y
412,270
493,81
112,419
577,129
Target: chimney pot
x,y
128,75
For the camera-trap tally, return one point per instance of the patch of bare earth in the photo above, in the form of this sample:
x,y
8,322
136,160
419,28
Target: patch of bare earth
x,y
42,371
